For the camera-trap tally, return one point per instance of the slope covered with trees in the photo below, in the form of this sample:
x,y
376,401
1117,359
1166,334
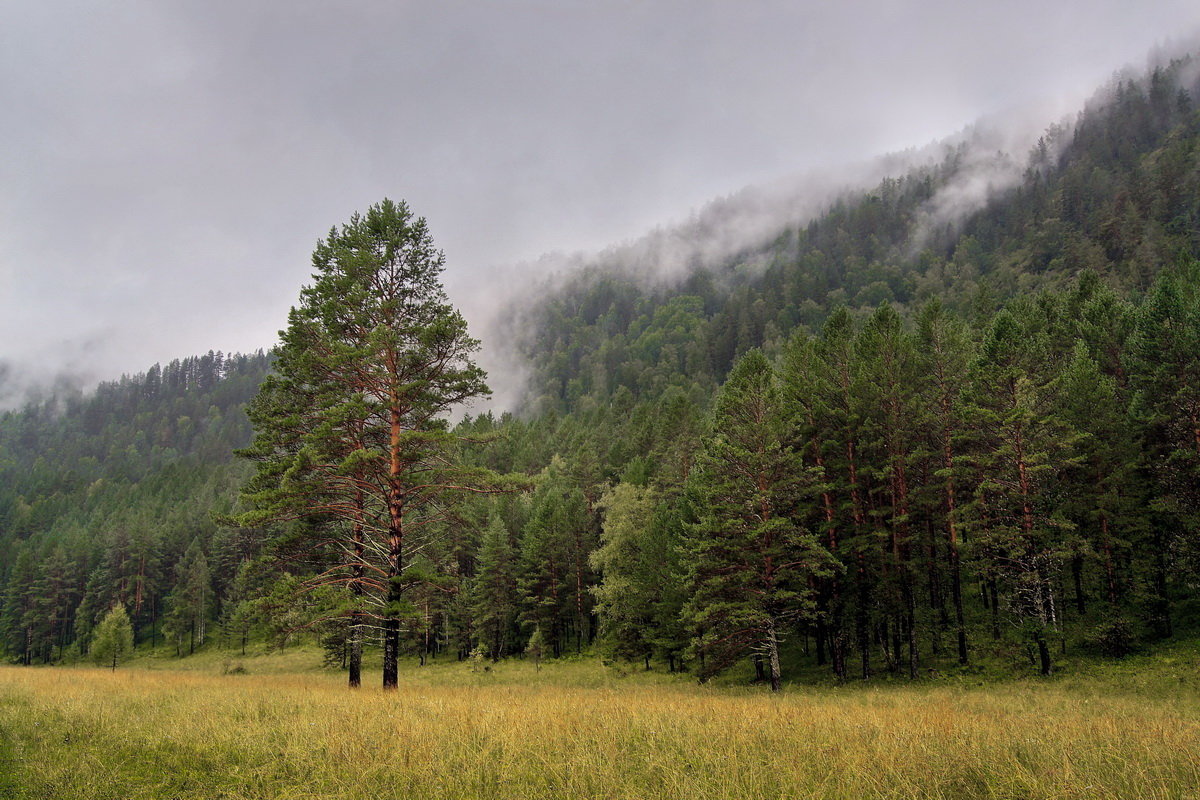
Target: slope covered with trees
x,y
103,497
1115,193
896,439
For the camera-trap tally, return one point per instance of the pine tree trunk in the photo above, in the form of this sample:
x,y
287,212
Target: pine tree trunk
x,y
952,529
862,618
995,595
773,654
1108,559
391,623
832,599
1077,576
354,644
956,596
1043,653
354,649
937,596
391,653
910,623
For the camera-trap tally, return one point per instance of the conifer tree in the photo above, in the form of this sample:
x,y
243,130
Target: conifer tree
x,y
887,368
16,616
1023,446
807,394
838,413
1105,489
944,353
547,548
1164,361
353,430
191,600
750,563
494,590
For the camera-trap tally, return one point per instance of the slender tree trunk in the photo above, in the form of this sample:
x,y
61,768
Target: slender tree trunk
x,y
937,596
910,624
995,595
956,595
391,652
1077,577
862,621
833,598
901,552
773,654
354,652
1106,544
391,623
354,642
581,621
862,616
951,527
1043,653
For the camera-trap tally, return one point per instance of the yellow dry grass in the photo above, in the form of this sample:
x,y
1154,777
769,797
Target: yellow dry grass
x,y
88,734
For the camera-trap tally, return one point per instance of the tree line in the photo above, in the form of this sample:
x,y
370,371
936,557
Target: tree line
x,y
886,493
883,495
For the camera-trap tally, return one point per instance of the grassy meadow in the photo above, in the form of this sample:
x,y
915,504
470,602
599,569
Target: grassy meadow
x,y
284,729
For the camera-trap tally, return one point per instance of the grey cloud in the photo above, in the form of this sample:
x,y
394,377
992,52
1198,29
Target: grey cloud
x,y
165,167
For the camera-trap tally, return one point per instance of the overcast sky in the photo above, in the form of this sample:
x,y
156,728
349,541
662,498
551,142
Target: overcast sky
x,y
166,167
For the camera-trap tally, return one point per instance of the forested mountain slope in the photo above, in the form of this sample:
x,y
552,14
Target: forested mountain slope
x,y
101,495
964,421
1116,193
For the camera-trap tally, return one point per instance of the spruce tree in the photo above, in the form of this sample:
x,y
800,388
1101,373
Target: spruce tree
x,y
494,590
547,552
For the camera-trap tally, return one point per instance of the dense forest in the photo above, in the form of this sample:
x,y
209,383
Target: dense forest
x,y
891,441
